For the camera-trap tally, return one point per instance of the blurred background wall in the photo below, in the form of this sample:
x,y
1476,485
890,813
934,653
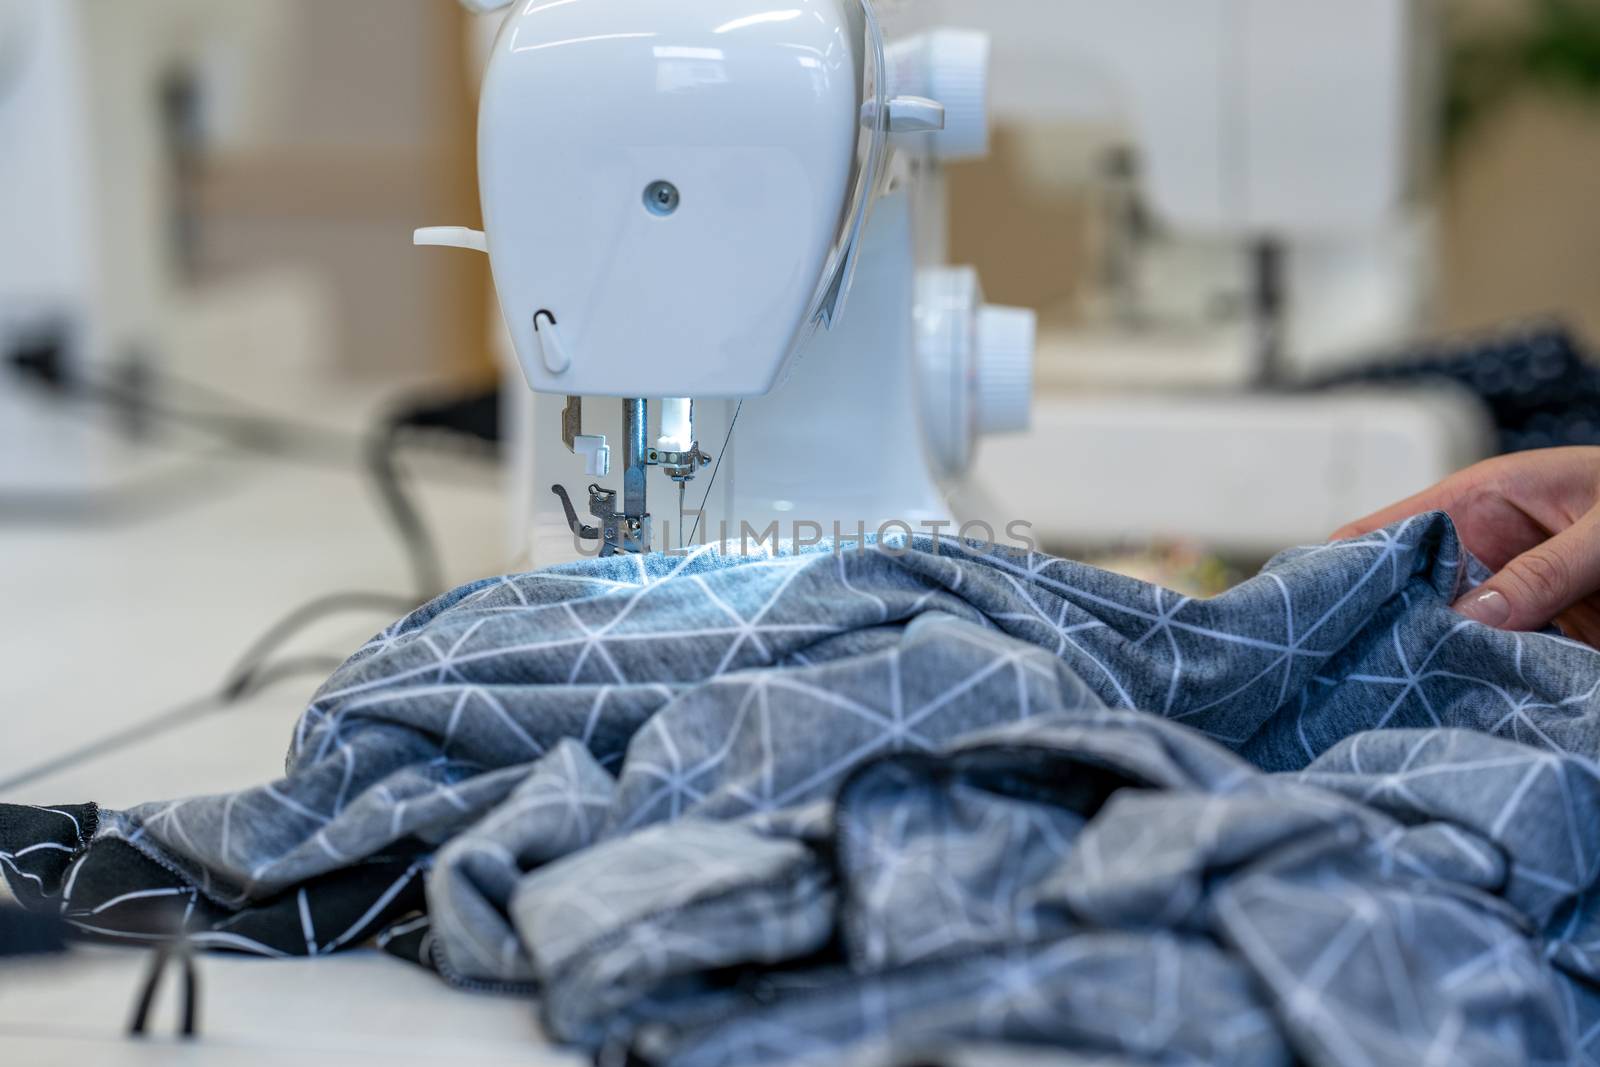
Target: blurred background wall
x,y
1520,233
362,129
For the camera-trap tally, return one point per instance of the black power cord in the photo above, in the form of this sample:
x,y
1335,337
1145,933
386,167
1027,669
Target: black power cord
x,y
426,571
472,418
131,393
254,669
253,673
471,422
179,952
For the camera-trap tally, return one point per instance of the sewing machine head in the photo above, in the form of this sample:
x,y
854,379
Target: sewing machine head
x,y
677,200
677,187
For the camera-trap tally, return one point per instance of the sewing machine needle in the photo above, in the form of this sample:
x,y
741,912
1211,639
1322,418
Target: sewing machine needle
x,y
680,516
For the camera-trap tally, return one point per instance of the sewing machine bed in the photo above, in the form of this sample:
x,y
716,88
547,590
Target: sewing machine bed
x,y
732,811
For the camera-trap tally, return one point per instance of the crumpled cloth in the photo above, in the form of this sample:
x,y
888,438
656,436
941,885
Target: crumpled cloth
x,y
841,806
1538,382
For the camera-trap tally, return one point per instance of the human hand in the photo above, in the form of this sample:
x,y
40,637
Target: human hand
x,y
1533,517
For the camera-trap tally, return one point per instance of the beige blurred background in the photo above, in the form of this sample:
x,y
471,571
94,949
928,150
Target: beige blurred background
x,y
1520,234
366,129
362,129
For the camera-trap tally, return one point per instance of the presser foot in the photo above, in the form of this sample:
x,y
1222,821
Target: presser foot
x,y
617,533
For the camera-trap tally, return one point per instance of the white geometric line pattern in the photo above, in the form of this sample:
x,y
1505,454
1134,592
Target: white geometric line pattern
x,y
729,810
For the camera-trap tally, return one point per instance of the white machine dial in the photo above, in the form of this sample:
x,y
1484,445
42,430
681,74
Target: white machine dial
x,y
974,365
1004,359
952,67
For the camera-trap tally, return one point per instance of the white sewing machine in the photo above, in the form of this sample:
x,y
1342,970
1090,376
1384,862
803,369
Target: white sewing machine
x,y
745,206
732,212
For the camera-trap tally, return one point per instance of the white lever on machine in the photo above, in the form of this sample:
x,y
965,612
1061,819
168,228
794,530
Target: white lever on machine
x,y
451,237
551,346
915,114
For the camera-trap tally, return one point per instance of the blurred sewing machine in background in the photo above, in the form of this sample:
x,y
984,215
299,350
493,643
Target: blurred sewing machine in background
x,y
84,273
205,191
108,113
1257,177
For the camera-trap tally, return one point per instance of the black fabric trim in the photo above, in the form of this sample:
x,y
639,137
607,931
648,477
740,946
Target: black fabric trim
x,y
108,890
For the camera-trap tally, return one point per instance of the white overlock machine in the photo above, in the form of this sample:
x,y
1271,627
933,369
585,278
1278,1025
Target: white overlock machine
x,y
716,236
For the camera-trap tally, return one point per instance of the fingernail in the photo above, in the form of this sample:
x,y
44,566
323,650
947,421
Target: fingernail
x,y
1485,606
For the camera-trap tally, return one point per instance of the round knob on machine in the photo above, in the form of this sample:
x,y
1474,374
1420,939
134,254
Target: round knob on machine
x,y
1004,365
947,300
958,77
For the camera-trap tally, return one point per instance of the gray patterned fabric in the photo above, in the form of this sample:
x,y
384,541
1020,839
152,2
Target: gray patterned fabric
x,y
726,811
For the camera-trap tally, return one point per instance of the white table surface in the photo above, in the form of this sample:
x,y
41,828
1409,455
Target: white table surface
x,y
105,626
